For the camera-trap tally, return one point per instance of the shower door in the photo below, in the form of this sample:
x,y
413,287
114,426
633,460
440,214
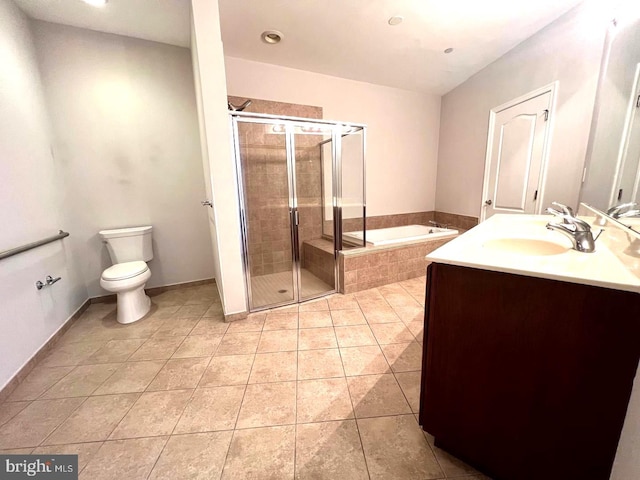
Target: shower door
x,y
287,257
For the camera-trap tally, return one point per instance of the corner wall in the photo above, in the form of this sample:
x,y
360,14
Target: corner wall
x,y
125,130
32,206
569,51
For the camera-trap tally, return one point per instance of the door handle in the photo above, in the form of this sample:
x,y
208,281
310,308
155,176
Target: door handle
x,y
296,218
206,203
488,202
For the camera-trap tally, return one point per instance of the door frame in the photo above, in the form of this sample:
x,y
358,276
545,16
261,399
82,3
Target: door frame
x,y
289,123
551,88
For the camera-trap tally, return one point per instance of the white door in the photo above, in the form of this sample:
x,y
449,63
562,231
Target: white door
x,y
627,187
516,147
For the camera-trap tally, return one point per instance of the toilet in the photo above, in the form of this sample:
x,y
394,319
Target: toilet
x,y
129,249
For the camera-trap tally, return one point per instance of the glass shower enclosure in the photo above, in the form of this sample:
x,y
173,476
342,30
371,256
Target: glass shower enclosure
x,y
302,185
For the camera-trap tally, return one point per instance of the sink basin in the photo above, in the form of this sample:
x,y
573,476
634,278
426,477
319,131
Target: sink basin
x,y
525,246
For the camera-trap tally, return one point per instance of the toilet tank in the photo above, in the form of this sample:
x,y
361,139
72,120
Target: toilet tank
x,y
128,244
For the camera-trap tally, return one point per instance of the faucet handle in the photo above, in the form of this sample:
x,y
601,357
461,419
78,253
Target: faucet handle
x,y
616,209
563,208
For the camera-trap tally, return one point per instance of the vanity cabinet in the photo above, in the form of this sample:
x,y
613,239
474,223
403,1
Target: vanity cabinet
x,y
527,378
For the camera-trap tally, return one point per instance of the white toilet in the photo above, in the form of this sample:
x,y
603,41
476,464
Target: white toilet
x,y
129,249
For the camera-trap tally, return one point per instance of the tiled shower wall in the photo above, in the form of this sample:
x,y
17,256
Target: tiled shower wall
x,y
264,165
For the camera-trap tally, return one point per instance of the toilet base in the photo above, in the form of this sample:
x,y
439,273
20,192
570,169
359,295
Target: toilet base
x,y
132,305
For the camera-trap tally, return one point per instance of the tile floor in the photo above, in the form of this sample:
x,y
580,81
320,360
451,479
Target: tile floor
x,y
324,390
277,288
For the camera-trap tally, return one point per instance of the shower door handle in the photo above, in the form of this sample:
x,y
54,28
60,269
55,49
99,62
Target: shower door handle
x,y
296,218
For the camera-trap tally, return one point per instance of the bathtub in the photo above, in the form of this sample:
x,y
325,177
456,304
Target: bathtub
x,y
395,235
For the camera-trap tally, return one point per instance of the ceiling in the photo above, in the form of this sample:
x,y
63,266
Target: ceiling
x,y
344,38
165,21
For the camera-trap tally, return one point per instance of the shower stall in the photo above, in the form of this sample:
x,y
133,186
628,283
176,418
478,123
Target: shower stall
x,y
302,184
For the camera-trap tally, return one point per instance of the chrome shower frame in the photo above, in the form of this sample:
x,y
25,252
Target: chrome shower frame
x,y
337,132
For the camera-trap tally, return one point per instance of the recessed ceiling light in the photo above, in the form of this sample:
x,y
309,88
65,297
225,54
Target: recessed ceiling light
x,y
396,20
448,50
271,36
96,3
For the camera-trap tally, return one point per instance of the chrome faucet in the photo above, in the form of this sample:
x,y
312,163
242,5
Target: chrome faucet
x,y
578,231
438,224
623,210
562,210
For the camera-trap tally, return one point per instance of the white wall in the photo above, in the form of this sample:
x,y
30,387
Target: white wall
x,y
569,51
30,206
402,133
208,59
126,142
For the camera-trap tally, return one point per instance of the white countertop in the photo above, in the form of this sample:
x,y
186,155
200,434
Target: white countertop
x,y
602,268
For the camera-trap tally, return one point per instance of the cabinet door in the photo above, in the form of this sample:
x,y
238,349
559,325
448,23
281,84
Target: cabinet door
x,y
521,384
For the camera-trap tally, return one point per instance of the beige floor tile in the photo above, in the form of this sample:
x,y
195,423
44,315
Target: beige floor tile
x,y
355,336
153,414
94,420
395,448
176,327
131,377
403,357
343,302
274,367
314,306
261,453
115,351
401,300
126,459
197,456
161,311
387,333
319,364
377,395
187,311
410,314
238,344
278,320
85,451
315,319
316,338
365,360
452,467
382,313
215,310
330,450
32,425
198,346
10,410
82,381
278,341
211,409
417,329
37,382
323,399
227,370
364,296
268,404
343,318
210,326
180,373
157,349
253,323
410,385
68,354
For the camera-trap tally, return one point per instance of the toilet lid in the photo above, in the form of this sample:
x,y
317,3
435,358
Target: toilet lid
x,y
122,271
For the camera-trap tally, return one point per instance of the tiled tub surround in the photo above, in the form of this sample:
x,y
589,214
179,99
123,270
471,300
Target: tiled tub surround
x,y
326,390
370,267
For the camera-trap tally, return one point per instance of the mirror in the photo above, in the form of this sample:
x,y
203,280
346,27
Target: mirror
x,y
613,160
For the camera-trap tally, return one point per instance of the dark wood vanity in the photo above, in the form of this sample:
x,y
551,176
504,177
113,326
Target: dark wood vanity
x,y
527,378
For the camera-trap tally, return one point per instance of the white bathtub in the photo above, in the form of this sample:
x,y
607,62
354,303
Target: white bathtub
x,y
404,234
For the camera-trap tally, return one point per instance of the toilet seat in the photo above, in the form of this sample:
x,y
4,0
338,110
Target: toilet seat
x,y
124,271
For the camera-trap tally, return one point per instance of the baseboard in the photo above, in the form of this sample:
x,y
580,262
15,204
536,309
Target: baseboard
x,y
232,317
157,290
46,348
